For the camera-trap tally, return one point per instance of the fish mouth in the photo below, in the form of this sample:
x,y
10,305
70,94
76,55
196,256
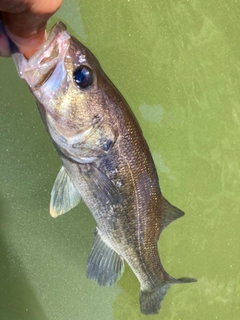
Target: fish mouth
x,y
41,65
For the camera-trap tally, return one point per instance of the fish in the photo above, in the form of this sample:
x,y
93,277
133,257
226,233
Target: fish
x,y
105,161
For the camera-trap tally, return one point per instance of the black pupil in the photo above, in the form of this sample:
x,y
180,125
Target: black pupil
x,y
83,77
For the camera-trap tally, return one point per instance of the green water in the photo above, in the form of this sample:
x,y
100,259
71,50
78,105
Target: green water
x,y
177,64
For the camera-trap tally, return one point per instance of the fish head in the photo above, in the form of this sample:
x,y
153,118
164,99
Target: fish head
x,y
59,66
68,84
44,72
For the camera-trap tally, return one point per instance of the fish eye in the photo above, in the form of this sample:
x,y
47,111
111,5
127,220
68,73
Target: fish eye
x,y
83,77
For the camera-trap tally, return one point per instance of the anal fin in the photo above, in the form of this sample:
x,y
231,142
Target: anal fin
x,y
104,265
64,195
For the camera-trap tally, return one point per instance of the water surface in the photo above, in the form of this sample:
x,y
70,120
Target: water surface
x,y
177,65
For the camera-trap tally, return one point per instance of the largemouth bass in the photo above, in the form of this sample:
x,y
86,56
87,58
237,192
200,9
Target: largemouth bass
x,y
106,162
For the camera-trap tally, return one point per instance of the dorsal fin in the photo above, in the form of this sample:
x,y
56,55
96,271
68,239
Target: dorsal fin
x,y
169,213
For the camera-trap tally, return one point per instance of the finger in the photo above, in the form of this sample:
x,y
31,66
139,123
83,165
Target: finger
x,y
26,30
14,6
24,24
35,6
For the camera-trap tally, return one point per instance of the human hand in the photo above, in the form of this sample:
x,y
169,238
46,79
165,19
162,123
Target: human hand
x,y
25,23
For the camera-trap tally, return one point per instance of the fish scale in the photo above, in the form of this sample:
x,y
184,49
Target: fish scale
x,y
106,162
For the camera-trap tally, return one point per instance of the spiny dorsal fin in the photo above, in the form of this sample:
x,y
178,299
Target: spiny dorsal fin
x,y
104,265
64,195
169,213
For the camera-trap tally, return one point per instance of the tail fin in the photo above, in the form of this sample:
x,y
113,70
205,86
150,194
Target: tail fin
x,y
150,300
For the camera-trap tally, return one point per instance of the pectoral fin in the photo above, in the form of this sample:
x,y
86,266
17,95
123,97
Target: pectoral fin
x,y
64,195
104,265
102,187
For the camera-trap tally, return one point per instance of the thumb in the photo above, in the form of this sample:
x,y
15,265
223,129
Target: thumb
x,y
26,30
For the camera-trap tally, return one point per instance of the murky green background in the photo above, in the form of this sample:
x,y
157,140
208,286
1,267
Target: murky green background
x,y
177,64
